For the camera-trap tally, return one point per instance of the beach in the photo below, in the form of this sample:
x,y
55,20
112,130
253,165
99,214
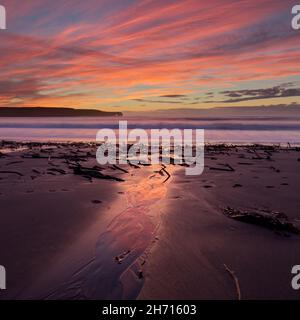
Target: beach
x,y
69,234
88,86
202,253
72,229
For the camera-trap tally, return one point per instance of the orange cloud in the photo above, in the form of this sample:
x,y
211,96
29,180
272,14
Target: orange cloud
x,y
98,53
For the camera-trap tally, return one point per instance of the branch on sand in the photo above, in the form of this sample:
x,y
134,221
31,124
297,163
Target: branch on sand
x,y
163,171
57,170
120,169
276,221
226,167
90,173
12,172
135,166
236,281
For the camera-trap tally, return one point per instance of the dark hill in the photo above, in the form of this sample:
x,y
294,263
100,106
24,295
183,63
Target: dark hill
x,y
55,112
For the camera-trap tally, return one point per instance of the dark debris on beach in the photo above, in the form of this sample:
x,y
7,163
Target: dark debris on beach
x,y
276,221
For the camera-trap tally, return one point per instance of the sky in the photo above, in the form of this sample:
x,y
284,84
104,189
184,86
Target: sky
x,y
146,55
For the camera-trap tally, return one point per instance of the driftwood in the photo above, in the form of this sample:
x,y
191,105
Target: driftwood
x,y
245,163
144,164
122,256
272,220
227,167
75,165
268,153
257,156
237,185
61,171
38,156
91,173
97,168
163,172
33,156
167,173
75,158
52,164
13,162
236,281
120,169
274,169
12,172
133,165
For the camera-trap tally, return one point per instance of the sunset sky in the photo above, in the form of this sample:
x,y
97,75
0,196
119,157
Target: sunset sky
x,y
145,55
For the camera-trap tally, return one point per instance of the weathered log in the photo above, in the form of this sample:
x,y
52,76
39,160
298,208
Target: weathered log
x,y
275,221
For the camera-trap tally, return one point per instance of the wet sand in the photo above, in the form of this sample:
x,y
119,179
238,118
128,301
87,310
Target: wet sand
x,y
202,253
71,229
70,233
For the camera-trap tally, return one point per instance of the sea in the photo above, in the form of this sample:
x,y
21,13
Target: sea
x,y
266,130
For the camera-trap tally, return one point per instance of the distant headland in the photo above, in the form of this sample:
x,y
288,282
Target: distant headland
x,y
55,112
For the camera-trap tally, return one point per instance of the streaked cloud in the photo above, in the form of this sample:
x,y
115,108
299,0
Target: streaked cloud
x,y
281,91
122,52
